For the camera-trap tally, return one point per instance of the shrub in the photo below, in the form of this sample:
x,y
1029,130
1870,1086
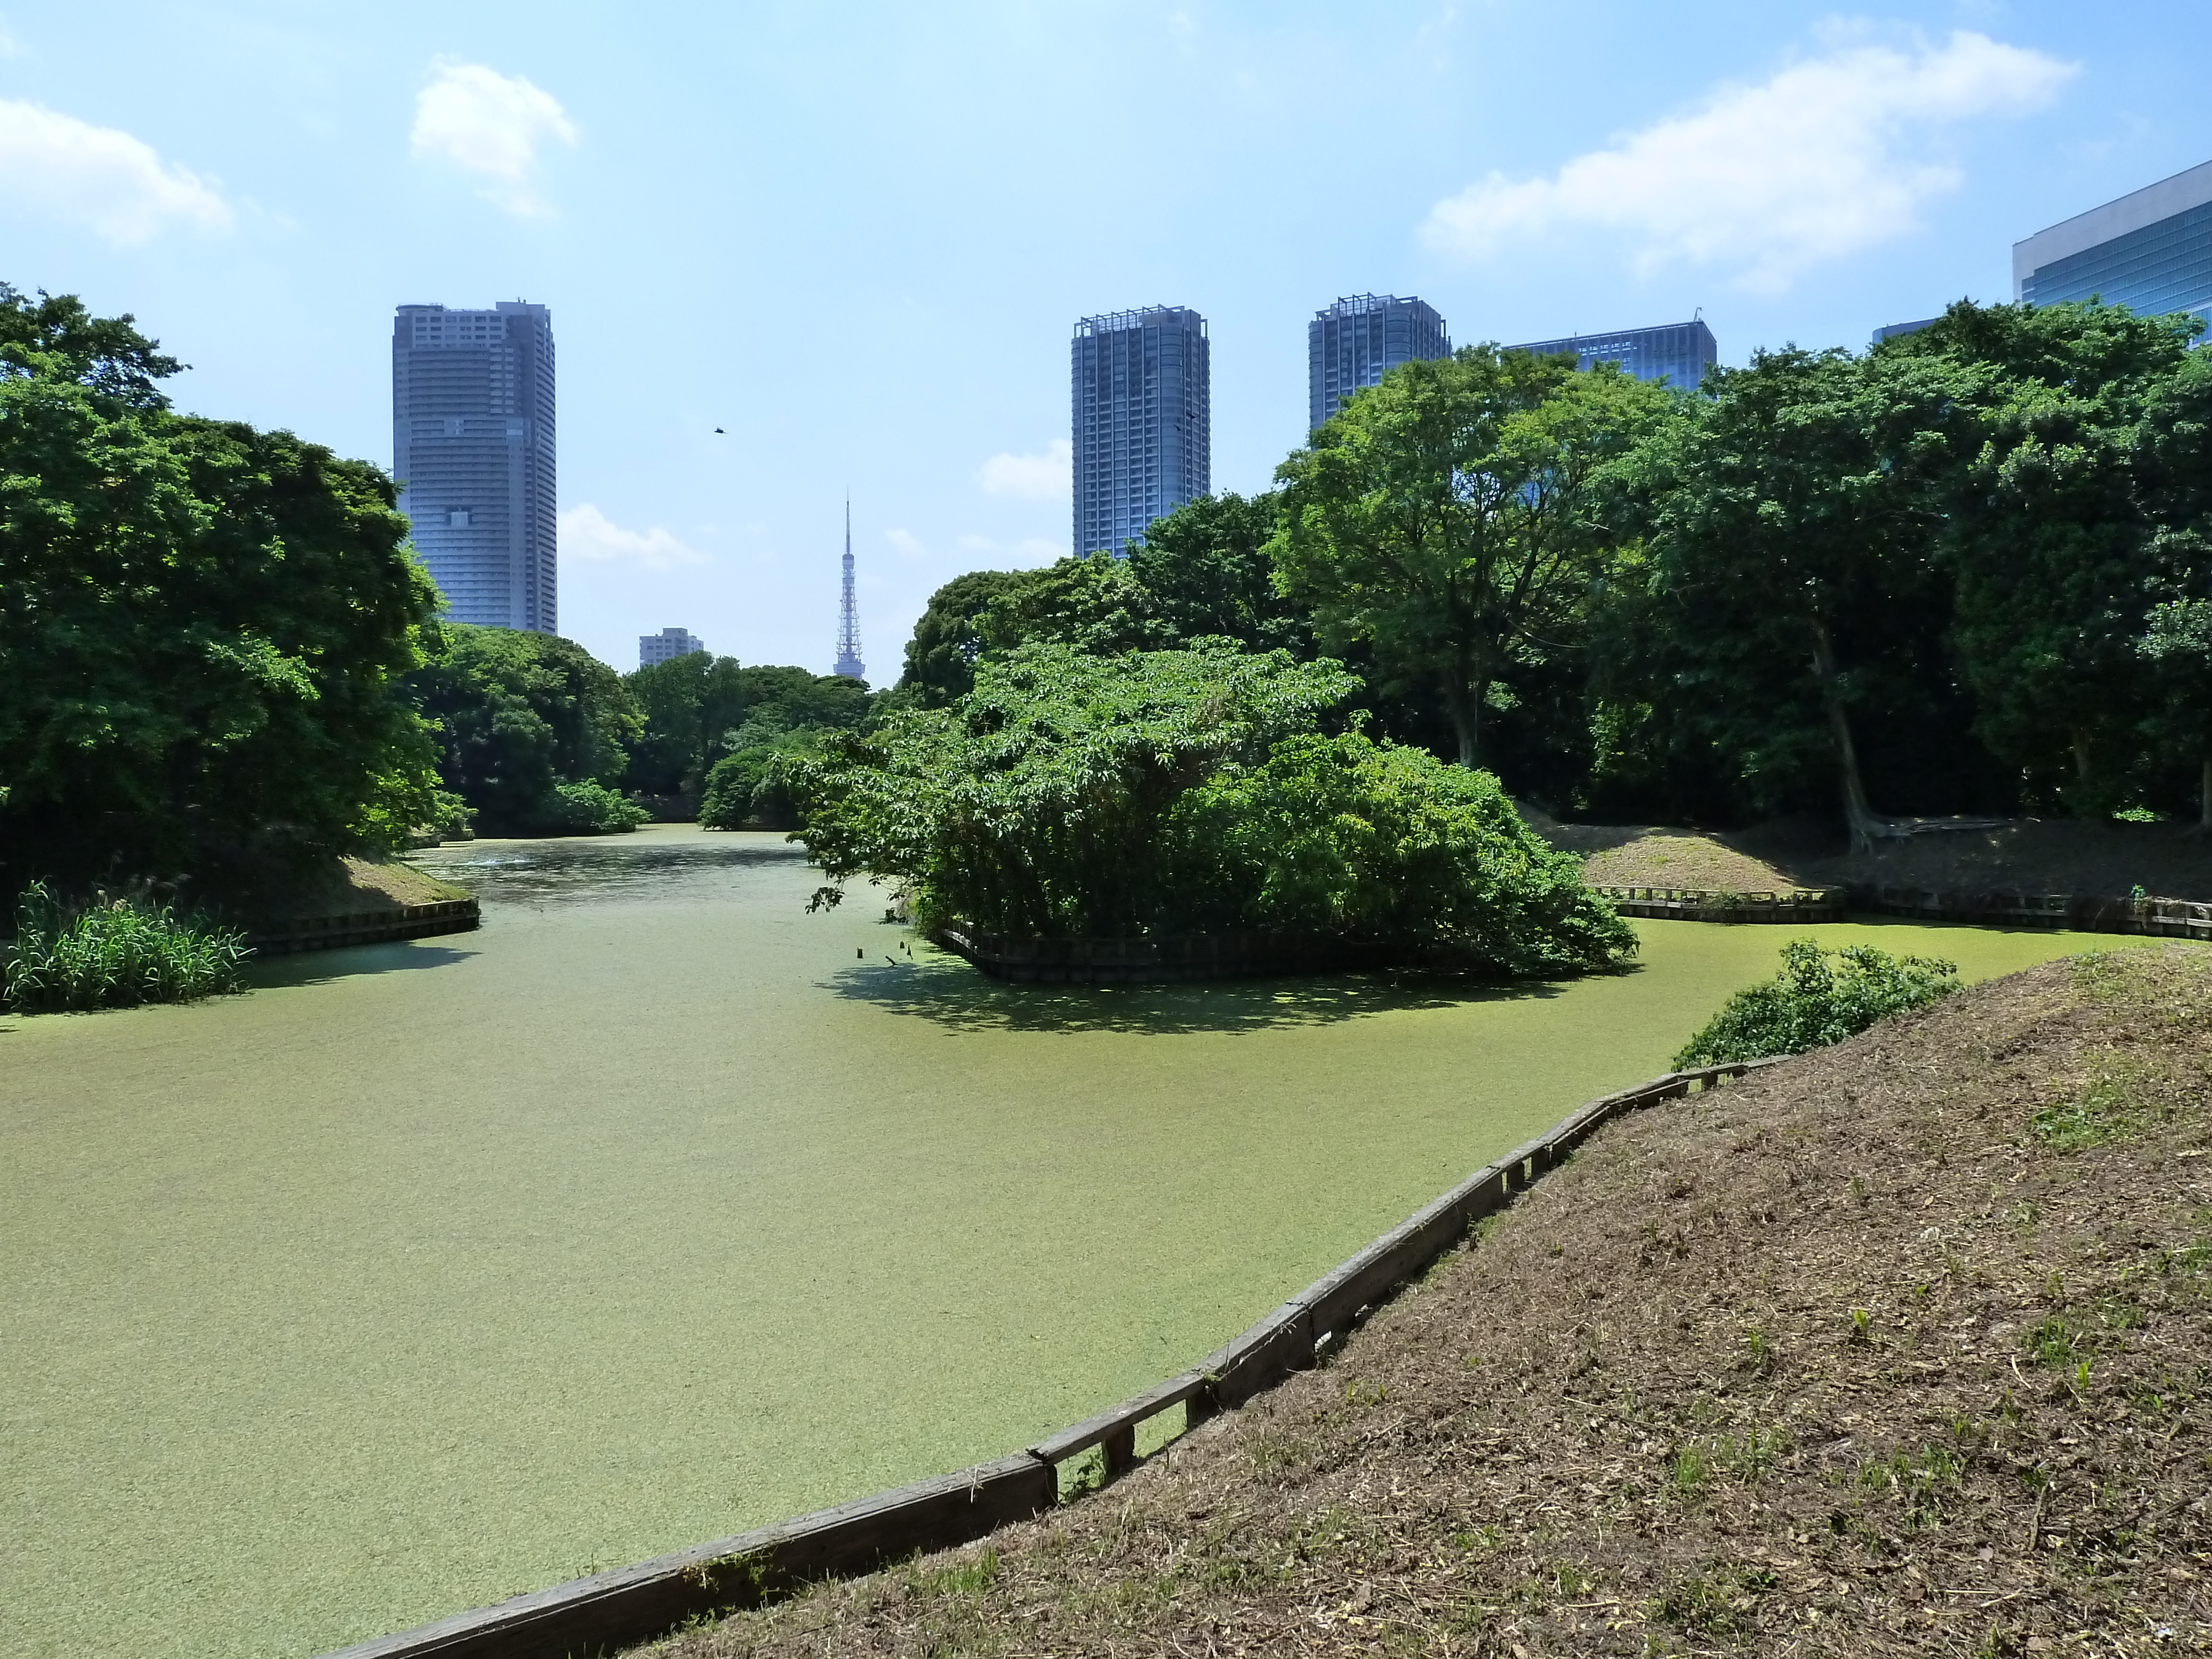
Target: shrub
x,y
1820,997
1175,792
114,953
591,809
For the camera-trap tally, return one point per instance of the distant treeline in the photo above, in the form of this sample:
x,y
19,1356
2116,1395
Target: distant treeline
x,y
1964,571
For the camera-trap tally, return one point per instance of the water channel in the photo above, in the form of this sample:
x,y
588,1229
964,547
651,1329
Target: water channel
x,y
658,1208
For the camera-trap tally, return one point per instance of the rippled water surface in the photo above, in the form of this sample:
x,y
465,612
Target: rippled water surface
x,y
658,1208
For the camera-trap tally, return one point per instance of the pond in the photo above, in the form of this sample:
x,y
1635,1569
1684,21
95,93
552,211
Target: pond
x,y
658,1208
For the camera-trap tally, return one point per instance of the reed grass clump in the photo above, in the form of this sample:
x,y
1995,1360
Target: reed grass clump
x,y
113,952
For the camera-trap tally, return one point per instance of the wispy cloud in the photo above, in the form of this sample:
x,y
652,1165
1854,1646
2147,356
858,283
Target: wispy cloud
x,y
588,534
492,126
1043,477
1832,154
906,542
100,178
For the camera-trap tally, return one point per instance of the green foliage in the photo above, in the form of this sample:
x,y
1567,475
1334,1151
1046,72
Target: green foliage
x,y
1072,796
1034,804
1205,569
115,952
1346,838
590,809
201,624
519,715
1820,997
1448,518
751,787
686,704
1094,602
940,658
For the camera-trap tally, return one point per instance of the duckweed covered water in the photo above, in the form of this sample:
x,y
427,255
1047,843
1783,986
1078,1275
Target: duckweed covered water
x,y
432,1272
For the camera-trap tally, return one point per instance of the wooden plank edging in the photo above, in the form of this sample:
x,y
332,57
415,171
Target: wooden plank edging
x,y
609,1611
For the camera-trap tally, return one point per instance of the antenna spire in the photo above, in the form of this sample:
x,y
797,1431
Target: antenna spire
x,y
848,614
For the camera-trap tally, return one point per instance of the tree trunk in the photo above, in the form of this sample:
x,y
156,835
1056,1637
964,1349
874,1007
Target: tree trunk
x,y
1857,812
1465,718
2204,797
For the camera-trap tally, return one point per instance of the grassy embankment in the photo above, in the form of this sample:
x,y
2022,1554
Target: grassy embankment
x,y
1903,1346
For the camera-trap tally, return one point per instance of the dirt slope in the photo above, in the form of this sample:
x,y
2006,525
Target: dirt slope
x,y
1906,1346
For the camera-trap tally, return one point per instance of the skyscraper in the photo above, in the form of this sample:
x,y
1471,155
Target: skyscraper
x,y
1144,422
1677,353
472,449
2150,251
1350,344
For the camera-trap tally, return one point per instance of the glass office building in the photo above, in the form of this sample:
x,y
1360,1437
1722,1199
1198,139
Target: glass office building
x,y
472,450
1143,418
1677,353
2150,251
1350,344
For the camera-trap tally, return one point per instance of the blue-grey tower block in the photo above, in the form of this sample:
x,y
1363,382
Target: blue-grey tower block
x,y
1677,353
472,450
2150,251
1350,344
1142,389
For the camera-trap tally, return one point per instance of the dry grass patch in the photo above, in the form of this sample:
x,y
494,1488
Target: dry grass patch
x,y
1904,1348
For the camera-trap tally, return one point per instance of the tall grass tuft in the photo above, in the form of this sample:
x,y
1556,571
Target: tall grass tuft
x,y
114,953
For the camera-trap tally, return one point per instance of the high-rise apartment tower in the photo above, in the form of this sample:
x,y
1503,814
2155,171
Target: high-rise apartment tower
x,y
1144,421
666,646
472,449
2150,251
1350,344
1677,353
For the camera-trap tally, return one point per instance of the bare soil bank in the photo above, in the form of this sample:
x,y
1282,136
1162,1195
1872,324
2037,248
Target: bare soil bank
x,y
2168,861
1901,1347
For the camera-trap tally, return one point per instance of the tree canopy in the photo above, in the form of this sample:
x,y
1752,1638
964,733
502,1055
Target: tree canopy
x,y
202,625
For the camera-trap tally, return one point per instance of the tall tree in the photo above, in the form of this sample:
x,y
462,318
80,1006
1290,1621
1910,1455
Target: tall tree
x,y
1791,564
200,624
1207,567
2051,538
940,658
688,703
1449,517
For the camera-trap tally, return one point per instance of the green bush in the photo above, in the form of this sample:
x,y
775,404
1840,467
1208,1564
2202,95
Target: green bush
x,y
114,953
1346,838
1820,997
1178,792
590,809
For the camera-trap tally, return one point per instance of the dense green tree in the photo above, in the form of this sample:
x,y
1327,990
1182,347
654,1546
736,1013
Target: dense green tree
x,y
1073,794
687,703
940,658
2052,543
521,714
1093,602
1034,804
1449,517
1206,568
1790,580
200,624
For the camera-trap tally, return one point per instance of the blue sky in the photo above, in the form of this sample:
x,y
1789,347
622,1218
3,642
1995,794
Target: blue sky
x,y
857,238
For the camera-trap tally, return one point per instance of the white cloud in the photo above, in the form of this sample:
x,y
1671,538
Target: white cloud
x,y
1029,551
907,542
1830,155
99,177
588,534
1045,477
490,124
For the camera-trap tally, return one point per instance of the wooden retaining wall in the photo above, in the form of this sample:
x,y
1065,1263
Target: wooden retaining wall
x,y
2082,913
1712,904
370,928
592,1617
